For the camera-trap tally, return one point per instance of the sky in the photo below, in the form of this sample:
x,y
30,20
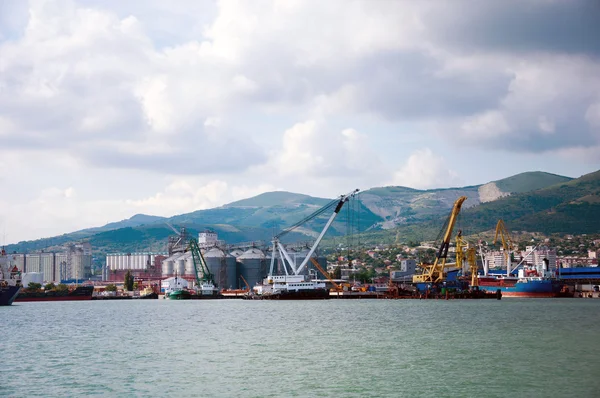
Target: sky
x,y
114,108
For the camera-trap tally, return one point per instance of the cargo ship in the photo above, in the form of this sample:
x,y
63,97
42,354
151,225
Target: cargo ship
x,y
78,293
10,279
530,282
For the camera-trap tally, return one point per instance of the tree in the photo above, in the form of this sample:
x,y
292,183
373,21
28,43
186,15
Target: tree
x,y
34,286
50,286
337,273
128,282
111,288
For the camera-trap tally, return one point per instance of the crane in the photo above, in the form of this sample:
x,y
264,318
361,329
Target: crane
x,y
507,244
466,257
472,260
434,273
246,282
336,286
278,247
461,243
207,281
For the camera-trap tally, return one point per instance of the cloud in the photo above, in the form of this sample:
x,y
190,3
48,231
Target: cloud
x,y
423,170
310,97
548,107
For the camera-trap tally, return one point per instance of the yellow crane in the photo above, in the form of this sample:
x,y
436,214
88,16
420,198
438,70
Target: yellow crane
x,y
472,260
468,254
246,282
434,273
336,286
507,244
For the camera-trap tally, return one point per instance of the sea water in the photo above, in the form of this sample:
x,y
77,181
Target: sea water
x,y
341,348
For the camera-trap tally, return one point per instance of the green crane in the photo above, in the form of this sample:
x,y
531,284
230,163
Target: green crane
x,y
199,262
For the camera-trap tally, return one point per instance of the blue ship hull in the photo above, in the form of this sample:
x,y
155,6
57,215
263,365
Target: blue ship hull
x,y
8,294
526,288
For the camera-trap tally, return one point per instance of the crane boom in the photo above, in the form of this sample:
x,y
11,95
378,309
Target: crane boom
x,y
279,247
199,262
325,273
245,281
433,273
507,244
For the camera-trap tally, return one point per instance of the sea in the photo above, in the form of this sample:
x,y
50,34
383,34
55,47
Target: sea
x,y
332,348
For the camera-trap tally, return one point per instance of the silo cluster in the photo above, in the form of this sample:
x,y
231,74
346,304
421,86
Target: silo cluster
x,y
253,265
222,266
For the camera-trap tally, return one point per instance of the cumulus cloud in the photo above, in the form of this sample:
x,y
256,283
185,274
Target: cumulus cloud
x,y
286,94
423,170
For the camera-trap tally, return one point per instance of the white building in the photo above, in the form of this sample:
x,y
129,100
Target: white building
x,y
208,239
131,261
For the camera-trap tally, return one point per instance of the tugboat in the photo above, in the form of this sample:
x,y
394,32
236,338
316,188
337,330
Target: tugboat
x,y
10,280
147,294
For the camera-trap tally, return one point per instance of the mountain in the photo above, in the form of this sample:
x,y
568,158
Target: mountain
x,y
568,207
404,206
534,201
135,221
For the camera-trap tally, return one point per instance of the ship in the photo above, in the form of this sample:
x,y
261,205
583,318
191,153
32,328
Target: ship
x,y
294,284
10,279
76,294
289,287
148,294
531,282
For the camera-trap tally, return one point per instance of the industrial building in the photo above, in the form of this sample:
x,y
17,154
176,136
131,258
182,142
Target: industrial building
x,y
72,264
140,265
227,263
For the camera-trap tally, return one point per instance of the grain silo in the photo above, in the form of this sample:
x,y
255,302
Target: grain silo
x,y
168,266
252,265
189,265
180,265
223,267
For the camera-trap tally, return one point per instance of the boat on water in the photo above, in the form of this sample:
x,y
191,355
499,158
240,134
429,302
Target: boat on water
x,y
75,294
205,290
147,293
289,287
530,282
10,279
178,294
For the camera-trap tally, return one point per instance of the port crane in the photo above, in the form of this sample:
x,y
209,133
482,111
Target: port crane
x,y
507,244
336,286
434,273
289,265
246,283
466,255
205,283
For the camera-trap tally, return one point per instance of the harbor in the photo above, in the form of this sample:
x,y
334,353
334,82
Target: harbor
x,y
348,348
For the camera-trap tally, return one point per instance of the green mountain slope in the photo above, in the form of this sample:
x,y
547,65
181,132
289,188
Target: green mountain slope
x,y
530,181
386,214
569,207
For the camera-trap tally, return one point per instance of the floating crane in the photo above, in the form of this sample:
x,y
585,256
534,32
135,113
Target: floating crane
x,y
206,283
294,283
507,244
278,247
435,273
